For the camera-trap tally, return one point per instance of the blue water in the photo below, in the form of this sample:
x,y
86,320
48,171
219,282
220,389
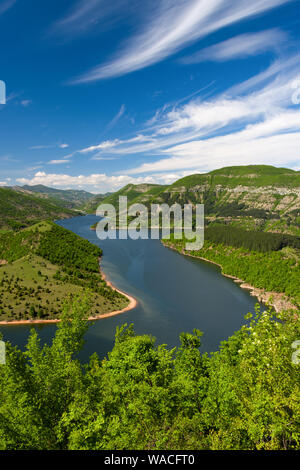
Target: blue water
x,y
175,294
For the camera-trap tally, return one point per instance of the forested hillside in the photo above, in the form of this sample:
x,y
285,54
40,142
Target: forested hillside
x,y
43,265
246,396
69,198
273,271
255,197
140,193
19,210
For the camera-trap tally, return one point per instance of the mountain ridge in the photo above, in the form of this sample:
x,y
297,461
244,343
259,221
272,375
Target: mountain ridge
x,y
256,197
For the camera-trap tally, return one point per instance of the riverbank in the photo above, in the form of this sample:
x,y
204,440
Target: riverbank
x,y
274,299
132,305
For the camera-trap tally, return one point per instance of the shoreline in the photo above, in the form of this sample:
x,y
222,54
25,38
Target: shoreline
x,y
274,299
133,303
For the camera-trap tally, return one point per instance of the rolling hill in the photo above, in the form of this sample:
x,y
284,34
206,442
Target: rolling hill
x,y
19,210
42,266
70,198
255,197
140,193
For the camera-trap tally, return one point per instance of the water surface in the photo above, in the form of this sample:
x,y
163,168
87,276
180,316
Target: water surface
x,y
175,294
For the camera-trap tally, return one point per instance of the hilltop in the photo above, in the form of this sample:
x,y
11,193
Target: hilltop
x,y
19,210
42,266
254,197
69,198
140,193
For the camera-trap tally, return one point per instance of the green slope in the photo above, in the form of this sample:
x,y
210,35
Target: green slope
x,y
42,266
18,210
70,198
251,176
254,197
140,193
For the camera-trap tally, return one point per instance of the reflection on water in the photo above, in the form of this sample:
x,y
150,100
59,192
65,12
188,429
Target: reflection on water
x,y
175,294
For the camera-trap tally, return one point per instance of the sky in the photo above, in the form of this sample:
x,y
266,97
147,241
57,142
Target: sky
x,y
100,94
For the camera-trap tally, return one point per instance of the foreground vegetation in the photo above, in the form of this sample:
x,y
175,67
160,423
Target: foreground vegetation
x,y
45,264
145,396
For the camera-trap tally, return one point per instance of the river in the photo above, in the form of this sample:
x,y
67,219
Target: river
x,y
175,294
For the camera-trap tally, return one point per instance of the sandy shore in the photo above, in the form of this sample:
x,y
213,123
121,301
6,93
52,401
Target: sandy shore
x,y
132,304
276,300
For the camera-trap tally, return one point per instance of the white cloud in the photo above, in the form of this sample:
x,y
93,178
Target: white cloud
x,y
43,147
58,162
87,14
116,118
202,118
285,68
240,46
26,103
108,144
239,149
261,126
173,25
96,183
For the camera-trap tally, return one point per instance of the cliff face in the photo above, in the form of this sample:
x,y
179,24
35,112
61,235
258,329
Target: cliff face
x,y
254,197
265,198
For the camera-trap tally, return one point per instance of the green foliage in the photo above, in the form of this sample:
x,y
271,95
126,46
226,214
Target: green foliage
x,y
139,193
250,240
258,197
253,398
273,271
72,264
69,198
64,248
14,246
142,396
248,175
19,210
39,385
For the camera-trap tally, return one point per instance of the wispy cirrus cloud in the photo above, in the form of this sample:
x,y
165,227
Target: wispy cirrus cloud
x,y
58,162
88,14
45,147
256,119
116,118
241,46
26,103
6,5
173,25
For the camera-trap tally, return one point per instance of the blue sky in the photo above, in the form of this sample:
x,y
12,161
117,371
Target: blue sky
x,y
100,94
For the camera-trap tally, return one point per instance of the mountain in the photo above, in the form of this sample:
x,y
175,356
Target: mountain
x,y
21,209
141,193
70,198
91,205
258,197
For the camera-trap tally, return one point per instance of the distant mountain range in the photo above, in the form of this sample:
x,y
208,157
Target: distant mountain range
x,y
70,198
19,209
258,197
